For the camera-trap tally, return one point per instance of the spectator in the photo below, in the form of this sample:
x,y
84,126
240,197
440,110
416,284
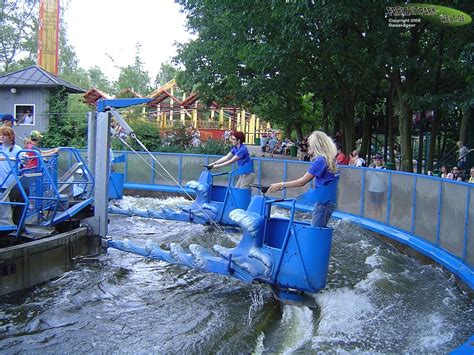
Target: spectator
x,y
341,157
463,151
32,143
457,176
195,138
27,118
323,169
471,178
263,144
445,173
240,154
8,120
227,133
338,138
288,146
271,145
355,160
282,145
377,187
303,147
10,149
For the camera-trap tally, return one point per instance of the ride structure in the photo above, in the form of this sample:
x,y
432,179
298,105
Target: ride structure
x,y
48,195
212,205
169,106
48,35
287,254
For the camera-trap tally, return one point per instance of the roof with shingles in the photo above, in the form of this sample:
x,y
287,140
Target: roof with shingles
x,y
36,76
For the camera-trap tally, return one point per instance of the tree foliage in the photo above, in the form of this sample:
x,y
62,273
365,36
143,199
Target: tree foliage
x,y
18,35
67,121
166,73
134,76
270,56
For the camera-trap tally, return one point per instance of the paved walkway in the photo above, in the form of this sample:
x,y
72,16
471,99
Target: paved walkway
x,y
257,152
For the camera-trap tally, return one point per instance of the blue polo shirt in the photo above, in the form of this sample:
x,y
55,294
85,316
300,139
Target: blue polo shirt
x,y
319,169
244,157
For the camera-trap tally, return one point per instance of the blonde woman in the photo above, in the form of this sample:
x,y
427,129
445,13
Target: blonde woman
x,y
323,168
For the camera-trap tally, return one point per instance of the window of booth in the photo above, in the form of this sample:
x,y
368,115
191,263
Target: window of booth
x,y
25,114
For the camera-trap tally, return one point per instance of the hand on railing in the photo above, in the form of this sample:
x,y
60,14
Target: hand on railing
x,y
208,167
262,188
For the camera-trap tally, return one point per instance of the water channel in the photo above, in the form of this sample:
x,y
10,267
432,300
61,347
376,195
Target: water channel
x,y
377,300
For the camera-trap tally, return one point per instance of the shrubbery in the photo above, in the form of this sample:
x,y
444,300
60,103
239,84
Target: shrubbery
x,y
176,140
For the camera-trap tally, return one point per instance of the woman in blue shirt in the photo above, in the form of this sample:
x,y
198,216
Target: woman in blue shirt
x,y
323,168
240,154
10,149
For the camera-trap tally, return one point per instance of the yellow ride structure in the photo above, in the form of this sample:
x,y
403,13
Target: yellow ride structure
x,y
48,35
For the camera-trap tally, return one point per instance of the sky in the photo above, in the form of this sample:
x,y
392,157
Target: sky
x,y
97,28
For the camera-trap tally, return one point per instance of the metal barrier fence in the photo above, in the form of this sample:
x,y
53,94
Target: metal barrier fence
x,y
432,215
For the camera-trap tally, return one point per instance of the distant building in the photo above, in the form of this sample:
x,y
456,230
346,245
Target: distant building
x,y
24,94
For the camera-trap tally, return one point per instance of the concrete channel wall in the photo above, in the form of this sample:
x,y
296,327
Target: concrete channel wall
x,y
29,264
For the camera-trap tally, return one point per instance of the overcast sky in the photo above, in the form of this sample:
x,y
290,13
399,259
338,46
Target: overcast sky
x,y
97,28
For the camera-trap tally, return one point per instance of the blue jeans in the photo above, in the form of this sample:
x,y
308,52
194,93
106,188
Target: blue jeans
x,y
321,214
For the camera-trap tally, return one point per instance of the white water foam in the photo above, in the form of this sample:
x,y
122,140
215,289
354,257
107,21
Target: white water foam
x,y
435,333
258,300
375,259
259,347
344,314
297,322
153,203
373,278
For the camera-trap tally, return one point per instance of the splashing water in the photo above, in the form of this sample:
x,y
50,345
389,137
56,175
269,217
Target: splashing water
x,y
377,300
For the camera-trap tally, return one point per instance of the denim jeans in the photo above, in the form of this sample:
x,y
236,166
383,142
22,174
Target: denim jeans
x,y
321,213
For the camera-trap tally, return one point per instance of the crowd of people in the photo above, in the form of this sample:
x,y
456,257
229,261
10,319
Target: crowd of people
x,y
271,144
457,173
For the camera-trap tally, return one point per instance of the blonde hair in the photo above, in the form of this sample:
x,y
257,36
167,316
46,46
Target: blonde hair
x,y
321,144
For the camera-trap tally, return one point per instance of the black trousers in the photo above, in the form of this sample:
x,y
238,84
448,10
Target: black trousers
x,y
17,210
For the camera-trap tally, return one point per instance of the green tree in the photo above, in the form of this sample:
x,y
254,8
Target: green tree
x,y
268,56
166,73
67,121
99,80
134,76
18,34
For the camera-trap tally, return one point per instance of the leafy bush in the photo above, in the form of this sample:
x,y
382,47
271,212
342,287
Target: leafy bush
x,y
67,121
148,133
212,147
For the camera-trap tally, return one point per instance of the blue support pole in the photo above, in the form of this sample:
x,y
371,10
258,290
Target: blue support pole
x,y
389,198
466,225
259,177
180,170
362,197
153,169
125,167
440,202
413,207
102,172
